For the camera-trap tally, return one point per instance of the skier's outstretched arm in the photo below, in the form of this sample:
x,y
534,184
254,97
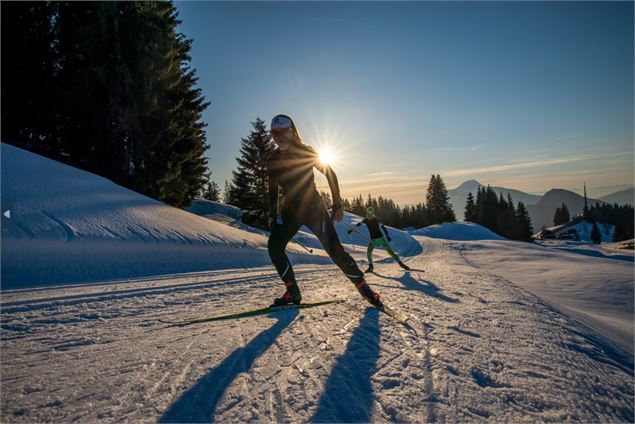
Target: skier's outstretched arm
x,y
363,221
328,172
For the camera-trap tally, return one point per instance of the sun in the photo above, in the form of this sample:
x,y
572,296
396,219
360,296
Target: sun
x,y
327,157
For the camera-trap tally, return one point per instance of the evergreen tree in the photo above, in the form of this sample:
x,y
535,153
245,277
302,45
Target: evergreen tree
x,y
437,202
596,236
507,225
327,199
210,190
357,206
422,216
566,216
249,188
490,208
346,205
557,216
406,218
124,102
561,215
227,193
470,208
585,209
28,78
525,229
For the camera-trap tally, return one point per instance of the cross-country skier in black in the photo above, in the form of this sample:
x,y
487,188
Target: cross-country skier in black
x,y
291,168
377,239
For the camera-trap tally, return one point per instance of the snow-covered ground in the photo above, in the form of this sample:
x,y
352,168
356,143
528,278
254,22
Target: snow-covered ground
x,y
480,347
500,330
594,289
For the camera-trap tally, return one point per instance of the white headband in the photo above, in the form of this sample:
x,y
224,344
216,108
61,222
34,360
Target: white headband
x,y
280,123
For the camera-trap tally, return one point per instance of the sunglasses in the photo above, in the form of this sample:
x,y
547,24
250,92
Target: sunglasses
x,y
280,132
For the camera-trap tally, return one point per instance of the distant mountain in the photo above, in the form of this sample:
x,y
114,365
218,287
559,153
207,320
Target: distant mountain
x,y
541,208
458,196
622,197
542,212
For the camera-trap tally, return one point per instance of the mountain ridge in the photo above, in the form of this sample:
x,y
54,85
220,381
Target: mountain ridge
x,y
541,208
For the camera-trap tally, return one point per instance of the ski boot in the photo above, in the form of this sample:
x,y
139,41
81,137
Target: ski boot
x,y
371,296
403,265
292,295
370,269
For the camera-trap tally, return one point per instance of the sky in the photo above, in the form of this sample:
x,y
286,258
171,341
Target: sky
x,y
523,95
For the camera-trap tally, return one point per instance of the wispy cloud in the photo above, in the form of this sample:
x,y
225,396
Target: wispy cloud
x,y
462,148
381,173
510,167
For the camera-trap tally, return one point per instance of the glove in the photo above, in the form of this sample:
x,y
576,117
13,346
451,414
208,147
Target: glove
x,y
337,213
270,222
349,231
389,239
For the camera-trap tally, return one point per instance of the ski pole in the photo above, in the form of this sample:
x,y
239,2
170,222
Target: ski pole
x,y
354,229
305,248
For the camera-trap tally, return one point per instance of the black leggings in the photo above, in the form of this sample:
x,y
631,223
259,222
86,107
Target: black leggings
x,y
318,220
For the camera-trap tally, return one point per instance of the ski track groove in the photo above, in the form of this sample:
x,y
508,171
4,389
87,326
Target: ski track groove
x,y
480,348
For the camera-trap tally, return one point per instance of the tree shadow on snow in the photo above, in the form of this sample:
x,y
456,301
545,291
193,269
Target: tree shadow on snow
x,y
348,393
427,287
199,403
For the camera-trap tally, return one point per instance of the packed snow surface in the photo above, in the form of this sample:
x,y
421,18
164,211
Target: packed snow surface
x,y
479,347
595,290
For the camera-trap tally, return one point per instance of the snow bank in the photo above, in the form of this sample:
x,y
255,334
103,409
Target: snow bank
x,y
458,231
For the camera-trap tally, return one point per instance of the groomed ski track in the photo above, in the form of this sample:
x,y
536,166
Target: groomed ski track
x,y
480,348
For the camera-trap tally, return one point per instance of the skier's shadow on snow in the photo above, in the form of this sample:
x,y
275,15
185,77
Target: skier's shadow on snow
x,y
424,286
348,393
199,403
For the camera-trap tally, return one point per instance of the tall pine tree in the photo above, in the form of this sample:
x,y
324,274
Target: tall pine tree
x,y
28,78
438,202
525,229
470,209
561,216
125,104
249,187
210,190
596,236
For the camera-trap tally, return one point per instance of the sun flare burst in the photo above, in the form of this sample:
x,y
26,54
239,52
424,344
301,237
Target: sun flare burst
x,y
327,157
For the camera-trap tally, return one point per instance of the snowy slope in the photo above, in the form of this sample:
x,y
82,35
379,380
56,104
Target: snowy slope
x,y
71,226
68,225
479,348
